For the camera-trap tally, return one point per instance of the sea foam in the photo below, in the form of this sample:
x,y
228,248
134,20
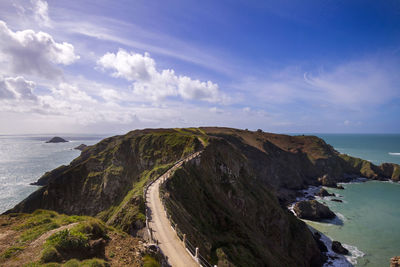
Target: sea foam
x,y
394,153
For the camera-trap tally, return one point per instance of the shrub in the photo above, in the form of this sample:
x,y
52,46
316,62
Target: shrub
x,y
92,228
11,252
149,261
94,263
72,263
50,254
67,240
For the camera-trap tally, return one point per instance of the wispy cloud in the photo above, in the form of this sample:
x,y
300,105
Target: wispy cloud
x,y
353,86
41,12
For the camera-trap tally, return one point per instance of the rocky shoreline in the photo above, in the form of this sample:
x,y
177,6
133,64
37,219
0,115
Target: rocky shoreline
x,y
308,207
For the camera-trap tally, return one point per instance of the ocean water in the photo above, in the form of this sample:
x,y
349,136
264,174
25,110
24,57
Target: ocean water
x,y
377,148
24,159
369,221
369,217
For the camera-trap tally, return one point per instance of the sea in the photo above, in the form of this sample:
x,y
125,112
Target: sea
x,y
25,158
368,222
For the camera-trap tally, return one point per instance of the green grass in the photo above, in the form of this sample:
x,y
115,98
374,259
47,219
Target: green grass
x,y
76,238
127,212
68,240
149,261
50,254
10,252
42,221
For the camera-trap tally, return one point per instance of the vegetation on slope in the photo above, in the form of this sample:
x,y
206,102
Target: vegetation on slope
x,y
46,238
107,179
232,217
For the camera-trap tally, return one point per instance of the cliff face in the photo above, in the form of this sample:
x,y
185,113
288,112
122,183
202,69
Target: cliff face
x,y
288,163
232,216
107,179
231,202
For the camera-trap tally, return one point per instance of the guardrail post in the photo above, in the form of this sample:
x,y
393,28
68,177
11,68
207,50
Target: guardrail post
x,y
151,234
197,254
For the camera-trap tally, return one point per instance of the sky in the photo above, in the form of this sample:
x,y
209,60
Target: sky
x,y
288,66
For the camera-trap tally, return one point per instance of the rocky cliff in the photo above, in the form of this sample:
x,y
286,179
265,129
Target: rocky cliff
x,y
107,179
232,200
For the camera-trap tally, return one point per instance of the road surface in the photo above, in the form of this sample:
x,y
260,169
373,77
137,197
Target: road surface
x,y
168,241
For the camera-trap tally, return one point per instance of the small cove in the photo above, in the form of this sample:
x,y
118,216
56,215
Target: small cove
x,y
370,220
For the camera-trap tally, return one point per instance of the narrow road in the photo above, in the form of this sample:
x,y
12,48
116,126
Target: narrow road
x,y
168,241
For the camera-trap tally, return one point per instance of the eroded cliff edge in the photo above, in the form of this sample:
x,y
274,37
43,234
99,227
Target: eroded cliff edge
x,y
232,201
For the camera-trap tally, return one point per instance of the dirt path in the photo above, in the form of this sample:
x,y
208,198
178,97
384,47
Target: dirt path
x,y
169,242
32,251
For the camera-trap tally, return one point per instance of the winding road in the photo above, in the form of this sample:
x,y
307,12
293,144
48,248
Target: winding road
x,y
169,243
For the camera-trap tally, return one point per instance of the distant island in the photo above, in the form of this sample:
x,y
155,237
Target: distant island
x,y
57,139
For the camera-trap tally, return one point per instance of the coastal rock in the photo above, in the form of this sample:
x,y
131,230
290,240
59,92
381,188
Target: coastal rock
x,y
395,262
340,187
324,193
338,248
327,180
321,245
81,147
57,139
336,200
313,210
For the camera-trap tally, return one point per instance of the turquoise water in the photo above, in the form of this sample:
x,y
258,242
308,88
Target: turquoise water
x,y
369,212
372,147
23,159
371,220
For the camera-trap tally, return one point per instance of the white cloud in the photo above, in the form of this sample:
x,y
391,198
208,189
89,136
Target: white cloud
x,y
41,12
351,86
17,88
151,84
33,53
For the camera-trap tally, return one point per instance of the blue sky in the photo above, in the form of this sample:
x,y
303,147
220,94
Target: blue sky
x,y
282,66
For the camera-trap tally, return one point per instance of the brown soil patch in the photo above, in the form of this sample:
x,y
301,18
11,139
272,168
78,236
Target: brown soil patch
x,y
124,250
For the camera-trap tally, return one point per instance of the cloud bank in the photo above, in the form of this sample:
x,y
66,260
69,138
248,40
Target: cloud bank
x,y
33,53
151,84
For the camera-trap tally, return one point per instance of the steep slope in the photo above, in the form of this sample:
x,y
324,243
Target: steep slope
x,y
288,163
107,179
233,217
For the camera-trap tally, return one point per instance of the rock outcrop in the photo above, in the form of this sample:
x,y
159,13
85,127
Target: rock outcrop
x,y
321,245
57,139
81,147
324,193
395,262
313,210
338,248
